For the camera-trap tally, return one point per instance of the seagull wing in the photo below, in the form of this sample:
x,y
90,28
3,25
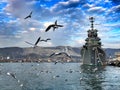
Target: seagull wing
x,y
49,27
37,41
29,16
52,55
29,43
66,54
60,25
59,53
42,40
13,75
26,17
30,13
48,39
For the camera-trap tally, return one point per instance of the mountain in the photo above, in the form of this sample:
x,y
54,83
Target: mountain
x,y
111,52
16,53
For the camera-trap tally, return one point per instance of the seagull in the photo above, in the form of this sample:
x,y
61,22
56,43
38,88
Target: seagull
x,y
55,25
29,43
13,75
64,52
8,73
45,40
55,54
29,16
37,42
34,45
56,62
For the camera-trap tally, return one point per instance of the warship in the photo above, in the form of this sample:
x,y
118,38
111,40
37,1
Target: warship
x,y
91,51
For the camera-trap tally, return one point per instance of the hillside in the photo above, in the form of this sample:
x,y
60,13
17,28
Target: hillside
x,y
16,53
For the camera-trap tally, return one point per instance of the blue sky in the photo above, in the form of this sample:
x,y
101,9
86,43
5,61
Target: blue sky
x,y
73,14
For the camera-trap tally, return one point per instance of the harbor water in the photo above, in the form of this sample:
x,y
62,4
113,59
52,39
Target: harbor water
x,y
59,76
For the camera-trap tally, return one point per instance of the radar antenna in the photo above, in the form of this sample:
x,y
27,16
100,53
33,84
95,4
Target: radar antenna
x,y
92,22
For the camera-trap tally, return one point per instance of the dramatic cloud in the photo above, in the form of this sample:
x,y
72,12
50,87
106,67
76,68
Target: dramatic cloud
x,y
73,14
68,4
96,10
114,9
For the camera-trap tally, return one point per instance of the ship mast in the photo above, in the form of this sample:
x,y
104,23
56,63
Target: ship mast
x,y
92,22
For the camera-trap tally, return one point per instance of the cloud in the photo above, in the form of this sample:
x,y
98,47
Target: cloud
x,y
79,42
111,45
18,8
46,44
96,10
88,6
2,1
116,25
73,14
114,9
32,29
107,1
66,5
8,28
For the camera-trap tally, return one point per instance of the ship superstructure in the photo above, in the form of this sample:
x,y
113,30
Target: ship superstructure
x,y
91,52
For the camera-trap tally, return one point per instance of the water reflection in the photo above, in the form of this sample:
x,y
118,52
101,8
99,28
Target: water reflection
x,y
50,76
92,77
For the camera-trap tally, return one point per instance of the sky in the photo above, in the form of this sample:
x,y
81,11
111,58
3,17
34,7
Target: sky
x,y
73,14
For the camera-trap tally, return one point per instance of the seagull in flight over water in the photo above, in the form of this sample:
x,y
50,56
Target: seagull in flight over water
x,y
54,26
60,53
34,45
29,16
64,52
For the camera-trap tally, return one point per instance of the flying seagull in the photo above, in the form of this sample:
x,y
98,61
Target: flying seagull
x,y
37,42
29,16
34,45
29,43
61,53
54,26
45,40
54,54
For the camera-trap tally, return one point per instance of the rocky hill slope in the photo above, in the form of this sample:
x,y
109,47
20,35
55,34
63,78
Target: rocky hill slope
x,y
16,53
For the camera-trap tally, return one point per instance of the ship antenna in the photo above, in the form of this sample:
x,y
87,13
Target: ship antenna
x,y
92,21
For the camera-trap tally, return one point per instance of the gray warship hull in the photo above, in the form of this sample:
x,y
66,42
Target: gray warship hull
x,y
91,52
93,56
